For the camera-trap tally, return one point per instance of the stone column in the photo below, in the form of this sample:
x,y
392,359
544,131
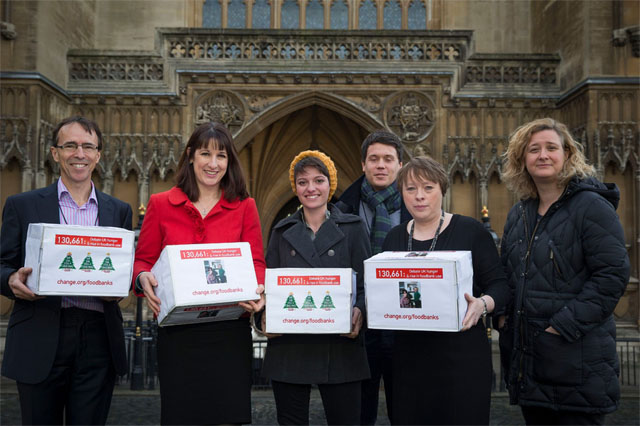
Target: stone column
x,y
302,14
327,14
483,183
107,182
143,189
249,15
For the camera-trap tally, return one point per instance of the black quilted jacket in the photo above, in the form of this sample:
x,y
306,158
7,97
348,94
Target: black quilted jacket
x,y
567,271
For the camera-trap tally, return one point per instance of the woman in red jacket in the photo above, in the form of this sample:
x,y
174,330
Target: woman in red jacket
x,y
205,368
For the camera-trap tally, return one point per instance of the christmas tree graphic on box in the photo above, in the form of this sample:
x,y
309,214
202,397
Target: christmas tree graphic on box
x,y
309,304
327,303
290,304
107,265
67,263
87,264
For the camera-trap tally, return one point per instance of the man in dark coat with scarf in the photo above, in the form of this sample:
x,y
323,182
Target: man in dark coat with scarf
x,y
376,199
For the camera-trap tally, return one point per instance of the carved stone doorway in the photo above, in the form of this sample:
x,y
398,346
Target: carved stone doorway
x,y
267,156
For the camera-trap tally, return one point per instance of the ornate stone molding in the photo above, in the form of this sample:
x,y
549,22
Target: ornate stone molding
x,y
473,155
8,30
222,106
99,65
312,46
410,115
616,142
512,69
16,141
116,71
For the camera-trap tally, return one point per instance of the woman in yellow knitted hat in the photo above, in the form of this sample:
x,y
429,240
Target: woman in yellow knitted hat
x,y
318,236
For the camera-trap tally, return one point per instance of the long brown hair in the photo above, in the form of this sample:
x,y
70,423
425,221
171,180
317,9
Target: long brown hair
x,y
233,183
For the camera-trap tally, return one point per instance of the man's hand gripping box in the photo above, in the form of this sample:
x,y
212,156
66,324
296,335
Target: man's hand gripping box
x,y
309,300
204,282
72,260
418,290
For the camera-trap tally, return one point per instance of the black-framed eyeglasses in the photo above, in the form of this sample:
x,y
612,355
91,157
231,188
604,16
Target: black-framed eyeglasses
x,y
71,147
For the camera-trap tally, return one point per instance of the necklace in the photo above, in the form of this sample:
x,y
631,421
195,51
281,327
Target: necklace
x,y
435,237
205,209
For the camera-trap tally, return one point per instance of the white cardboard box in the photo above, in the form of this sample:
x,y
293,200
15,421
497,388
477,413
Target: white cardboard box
x,y
435,283
204,282
309,300
73,260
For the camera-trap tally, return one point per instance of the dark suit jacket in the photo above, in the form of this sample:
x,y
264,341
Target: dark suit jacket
x,y
32,333
341,242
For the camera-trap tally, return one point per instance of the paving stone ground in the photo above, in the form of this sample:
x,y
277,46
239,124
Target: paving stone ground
x,y
143,408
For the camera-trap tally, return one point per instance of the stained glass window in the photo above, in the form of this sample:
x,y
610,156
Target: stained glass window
x,y
339,15
392,15
211,14
315,15
261,14
290,14
237,14
367,16
417,15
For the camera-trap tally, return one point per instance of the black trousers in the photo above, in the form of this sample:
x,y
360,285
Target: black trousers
x,y
341,402
80,384
380,364
547,416
205,373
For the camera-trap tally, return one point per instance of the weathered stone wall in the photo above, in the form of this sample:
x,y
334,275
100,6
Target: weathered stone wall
x,y
582,33
500,26
131,25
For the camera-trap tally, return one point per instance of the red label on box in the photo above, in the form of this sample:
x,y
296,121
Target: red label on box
x,y
86,240
410,273
309,280
207,253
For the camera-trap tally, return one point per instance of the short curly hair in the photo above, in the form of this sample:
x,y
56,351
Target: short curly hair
x,y
514,172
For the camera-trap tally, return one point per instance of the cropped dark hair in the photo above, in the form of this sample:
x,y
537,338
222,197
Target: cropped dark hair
x,y
384,137
311,162
233,182
88,125
425,168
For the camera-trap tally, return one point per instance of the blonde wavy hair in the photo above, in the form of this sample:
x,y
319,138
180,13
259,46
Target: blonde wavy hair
x,y
514,172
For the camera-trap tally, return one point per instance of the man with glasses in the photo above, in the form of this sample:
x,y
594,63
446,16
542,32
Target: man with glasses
x,y
63,352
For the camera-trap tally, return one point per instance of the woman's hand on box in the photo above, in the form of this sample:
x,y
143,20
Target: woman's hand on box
x,y
475,308
149,283
17,282
252,306
356,323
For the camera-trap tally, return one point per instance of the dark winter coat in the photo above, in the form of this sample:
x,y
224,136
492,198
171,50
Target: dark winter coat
x,y
575,272
341,242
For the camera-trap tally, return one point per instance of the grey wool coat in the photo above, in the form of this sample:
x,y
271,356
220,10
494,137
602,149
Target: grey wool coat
x,y
341,242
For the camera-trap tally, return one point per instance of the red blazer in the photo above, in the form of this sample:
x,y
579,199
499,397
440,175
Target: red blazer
x,y
172,219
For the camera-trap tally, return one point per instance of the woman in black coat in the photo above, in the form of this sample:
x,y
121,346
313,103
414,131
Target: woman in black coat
x,y
318,236
564,253
444,377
